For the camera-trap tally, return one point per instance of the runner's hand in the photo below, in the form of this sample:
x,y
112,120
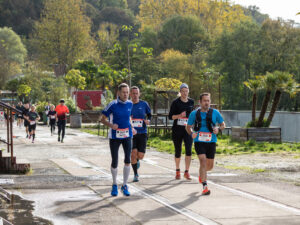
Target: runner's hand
x,y
216,130
147,122
134,132
114,126
194,135
183,114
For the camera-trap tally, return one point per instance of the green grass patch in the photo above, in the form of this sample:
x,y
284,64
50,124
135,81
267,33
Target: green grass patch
x,y
225,145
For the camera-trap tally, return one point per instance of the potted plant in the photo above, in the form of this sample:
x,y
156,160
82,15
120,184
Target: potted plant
x,y
260,129
75,80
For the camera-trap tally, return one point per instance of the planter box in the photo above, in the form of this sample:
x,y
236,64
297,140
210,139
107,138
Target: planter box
x,y
75,120
264,134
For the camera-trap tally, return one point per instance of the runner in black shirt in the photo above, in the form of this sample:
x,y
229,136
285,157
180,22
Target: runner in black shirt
x,y
179,112
32,118
52,119
19,116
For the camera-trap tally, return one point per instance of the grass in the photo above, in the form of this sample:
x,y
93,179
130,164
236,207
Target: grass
x,y
225,146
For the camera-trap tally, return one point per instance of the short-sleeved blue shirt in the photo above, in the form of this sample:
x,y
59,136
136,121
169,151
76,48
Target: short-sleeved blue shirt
x,y
139,112
118,112
216,118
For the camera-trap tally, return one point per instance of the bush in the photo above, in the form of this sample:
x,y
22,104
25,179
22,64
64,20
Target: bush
x,y
70,104
40,108
253,124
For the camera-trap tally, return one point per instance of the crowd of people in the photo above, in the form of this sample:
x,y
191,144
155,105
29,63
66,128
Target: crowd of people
x,y
128,121
28,118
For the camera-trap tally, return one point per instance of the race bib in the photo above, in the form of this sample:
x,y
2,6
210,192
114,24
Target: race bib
x,y
32,122
122,133
137,122
52,117
205,136
182,121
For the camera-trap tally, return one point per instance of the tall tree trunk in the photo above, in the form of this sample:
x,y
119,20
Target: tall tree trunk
x,y
254,99
276,101
263,109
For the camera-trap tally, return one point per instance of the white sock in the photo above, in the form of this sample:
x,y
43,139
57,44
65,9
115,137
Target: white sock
x,y
114,173
126,172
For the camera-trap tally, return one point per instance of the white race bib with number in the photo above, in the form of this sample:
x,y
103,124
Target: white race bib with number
x,y
32,122
122,133
137,122
182,121
52,117
205,136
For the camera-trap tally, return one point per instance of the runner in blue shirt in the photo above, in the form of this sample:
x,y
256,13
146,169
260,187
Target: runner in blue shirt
x,y
202,126
117,116
141,116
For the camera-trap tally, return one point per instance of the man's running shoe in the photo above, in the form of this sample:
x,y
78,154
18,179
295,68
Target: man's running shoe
x,y
136,178
205,191
200,181
138,164
114,190
125,191
177,177
187,176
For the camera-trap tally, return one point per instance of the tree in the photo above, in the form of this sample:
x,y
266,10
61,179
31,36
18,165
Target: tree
x,y
284,83
268,83
168,84
181,33
254,86
12,54
74,79
23,91
63,33
88,70
215,15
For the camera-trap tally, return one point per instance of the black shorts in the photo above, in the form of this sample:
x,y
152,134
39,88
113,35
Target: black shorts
x,y
209,149
26,123
139,142
32,127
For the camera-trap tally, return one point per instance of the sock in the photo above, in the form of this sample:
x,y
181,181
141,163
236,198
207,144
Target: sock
x,y
126,172
33,136
134,167
204,183
114,173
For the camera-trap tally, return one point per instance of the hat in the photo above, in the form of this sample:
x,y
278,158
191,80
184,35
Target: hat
x,y
62,101
184,85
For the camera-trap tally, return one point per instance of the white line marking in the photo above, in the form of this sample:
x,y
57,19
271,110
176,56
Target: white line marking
x,y
244,194
188,213
6,181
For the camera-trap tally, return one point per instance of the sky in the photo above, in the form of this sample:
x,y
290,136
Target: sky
x,y
286,9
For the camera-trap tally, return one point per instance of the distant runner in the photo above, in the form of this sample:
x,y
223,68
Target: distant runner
x,y
52,119
32,118
202,127
117,116
179,112
61,118
19,116
25,111
141,116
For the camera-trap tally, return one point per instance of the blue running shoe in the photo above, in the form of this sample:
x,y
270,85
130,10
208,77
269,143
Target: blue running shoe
x,y
136,178
125,191
138,164
114,190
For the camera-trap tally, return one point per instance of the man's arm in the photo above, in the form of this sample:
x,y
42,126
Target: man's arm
x,y
104,120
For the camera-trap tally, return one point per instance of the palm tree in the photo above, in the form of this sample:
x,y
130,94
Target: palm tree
x,y
254,86
284,83
268,83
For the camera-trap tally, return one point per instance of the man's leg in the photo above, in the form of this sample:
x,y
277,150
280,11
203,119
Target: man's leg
x,y
63,129
202,170
134,155
210,155
114,145
127,146
209,164
59,125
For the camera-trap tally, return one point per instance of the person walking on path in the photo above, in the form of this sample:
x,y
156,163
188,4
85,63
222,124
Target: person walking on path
x,y
202,128
117,116
179,112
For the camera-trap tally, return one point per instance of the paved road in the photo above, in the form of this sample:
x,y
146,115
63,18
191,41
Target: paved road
x,y
70,184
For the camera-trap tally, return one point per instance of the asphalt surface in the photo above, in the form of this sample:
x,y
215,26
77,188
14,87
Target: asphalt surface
x,y
70,183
